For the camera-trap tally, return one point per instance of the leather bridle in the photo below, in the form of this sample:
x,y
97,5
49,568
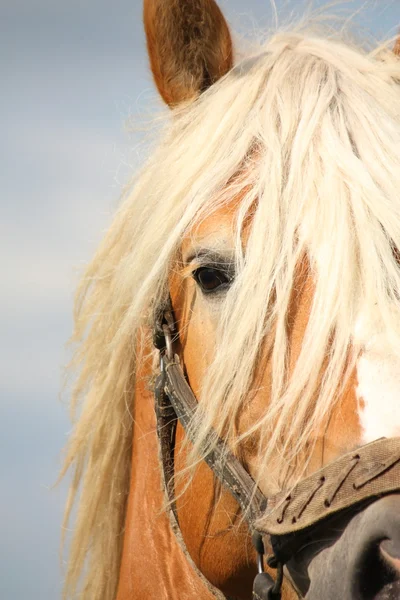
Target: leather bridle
x,y
283,521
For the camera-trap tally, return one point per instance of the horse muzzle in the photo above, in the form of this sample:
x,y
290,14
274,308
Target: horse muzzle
x,y
359,560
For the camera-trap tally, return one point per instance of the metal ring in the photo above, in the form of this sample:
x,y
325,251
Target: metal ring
x,y
260,563
168,342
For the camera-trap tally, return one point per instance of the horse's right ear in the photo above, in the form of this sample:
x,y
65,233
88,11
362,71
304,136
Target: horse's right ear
x,y
397,46
189,46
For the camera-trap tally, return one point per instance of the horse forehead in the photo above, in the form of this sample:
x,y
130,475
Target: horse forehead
x,y
216,229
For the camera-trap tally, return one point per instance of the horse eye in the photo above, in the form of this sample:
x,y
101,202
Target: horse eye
x,y
210,279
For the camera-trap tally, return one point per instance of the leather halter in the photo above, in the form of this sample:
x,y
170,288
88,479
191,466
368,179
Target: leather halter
x,y
286,519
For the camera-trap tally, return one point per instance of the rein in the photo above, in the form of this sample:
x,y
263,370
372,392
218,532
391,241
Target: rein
x,y
283,521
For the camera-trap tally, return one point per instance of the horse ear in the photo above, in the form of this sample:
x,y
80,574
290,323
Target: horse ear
x,y
189,46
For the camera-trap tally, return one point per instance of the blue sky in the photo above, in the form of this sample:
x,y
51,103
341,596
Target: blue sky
x,y
74,81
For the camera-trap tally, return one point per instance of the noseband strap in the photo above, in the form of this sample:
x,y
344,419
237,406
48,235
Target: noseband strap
x,y
371,471
284,519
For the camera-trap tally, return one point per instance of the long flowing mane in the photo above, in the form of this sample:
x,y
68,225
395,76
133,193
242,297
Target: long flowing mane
x,y
307,134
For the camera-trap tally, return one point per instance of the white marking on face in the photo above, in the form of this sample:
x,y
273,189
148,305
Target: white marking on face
x,y
378,390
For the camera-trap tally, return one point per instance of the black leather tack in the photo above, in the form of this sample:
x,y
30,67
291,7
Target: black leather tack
x,y
263,588
159,339
272,561
258,542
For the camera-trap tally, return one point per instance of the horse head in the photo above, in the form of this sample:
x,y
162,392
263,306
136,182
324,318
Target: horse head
x,y
261,241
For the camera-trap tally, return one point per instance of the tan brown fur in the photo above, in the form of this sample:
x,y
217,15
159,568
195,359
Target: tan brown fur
x,y
189,46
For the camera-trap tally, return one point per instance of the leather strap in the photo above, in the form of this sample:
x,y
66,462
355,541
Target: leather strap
x,y
176,399
367,473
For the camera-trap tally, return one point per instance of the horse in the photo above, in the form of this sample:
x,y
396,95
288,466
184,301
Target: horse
x,y
237,331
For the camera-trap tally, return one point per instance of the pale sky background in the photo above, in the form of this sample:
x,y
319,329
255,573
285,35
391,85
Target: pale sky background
x,y
72,74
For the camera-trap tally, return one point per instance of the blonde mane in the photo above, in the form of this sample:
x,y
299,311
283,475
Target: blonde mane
x,y
313,126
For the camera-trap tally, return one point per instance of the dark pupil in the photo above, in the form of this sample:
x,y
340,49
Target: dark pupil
x,y
210,279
